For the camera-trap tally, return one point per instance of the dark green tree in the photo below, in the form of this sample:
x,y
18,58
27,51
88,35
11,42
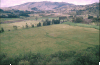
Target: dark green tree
x,y
2,29
78,19
44,23
55,21
26,25
15,27
39,24
32,25
90,17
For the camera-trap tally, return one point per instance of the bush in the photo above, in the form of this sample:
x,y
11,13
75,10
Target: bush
x,y
39,24
15,27
23,62
89,56
70,16
63,55
62,18
55,21
90,17
78,19
13,16
86,59
24,14
32,25
44,23
26,25
48,22
2,30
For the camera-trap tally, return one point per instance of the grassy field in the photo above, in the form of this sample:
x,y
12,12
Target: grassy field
x,y
48,39
20,25
82,25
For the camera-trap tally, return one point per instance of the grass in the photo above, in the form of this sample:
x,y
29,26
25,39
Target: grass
x,y
9,26
82,25
9,19
20,25
59,44
83,57
48,39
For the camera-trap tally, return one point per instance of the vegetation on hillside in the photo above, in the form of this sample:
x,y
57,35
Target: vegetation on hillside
x,y
32,38
89,56
82,25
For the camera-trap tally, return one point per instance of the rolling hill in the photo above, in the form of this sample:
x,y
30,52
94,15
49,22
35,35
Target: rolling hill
x,y
45,5
60,7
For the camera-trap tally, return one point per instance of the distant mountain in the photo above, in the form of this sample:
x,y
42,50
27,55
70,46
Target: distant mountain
x,y
36,6
93,9
60,7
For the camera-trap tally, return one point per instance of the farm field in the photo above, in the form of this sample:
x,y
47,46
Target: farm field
x,y
48,39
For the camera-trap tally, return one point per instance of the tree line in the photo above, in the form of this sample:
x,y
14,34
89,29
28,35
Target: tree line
x,y
14,13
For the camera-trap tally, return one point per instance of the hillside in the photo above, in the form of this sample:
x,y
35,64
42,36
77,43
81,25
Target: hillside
x,y
58,7
49,33
80,9
36,6
50,45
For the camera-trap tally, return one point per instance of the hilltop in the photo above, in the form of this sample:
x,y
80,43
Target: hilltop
x,y
35,6
58,7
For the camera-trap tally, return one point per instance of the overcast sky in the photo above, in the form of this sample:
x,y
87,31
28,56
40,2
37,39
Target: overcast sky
x,y
7,3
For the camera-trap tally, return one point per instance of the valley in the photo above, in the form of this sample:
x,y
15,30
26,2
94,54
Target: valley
x,y
50,33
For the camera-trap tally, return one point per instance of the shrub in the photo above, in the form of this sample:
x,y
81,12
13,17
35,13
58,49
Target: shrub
x,y
2,30
8,30
55,21
13,16
39,24
86,59
23,14
78,19
70,16
15,27
32,25
23,62
44,23
62,18
89,56
48,22
90,17
26,25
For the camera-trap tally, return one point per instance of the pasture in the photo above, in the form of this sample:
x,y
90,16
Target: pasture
x,y
56,44
21,22
48,39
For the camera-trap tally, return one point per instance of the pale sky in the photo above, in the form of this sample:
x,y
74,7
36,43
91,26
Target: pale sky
x,y
8,3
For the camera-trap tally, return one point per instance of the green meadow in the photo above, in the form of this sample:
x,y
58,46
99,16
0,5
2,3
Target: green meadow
x,y
48,39
58,44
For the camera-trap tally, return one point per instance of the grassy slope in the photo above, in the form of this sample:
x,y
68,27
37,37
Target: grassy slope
x,y
9,26
48,39
82,25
